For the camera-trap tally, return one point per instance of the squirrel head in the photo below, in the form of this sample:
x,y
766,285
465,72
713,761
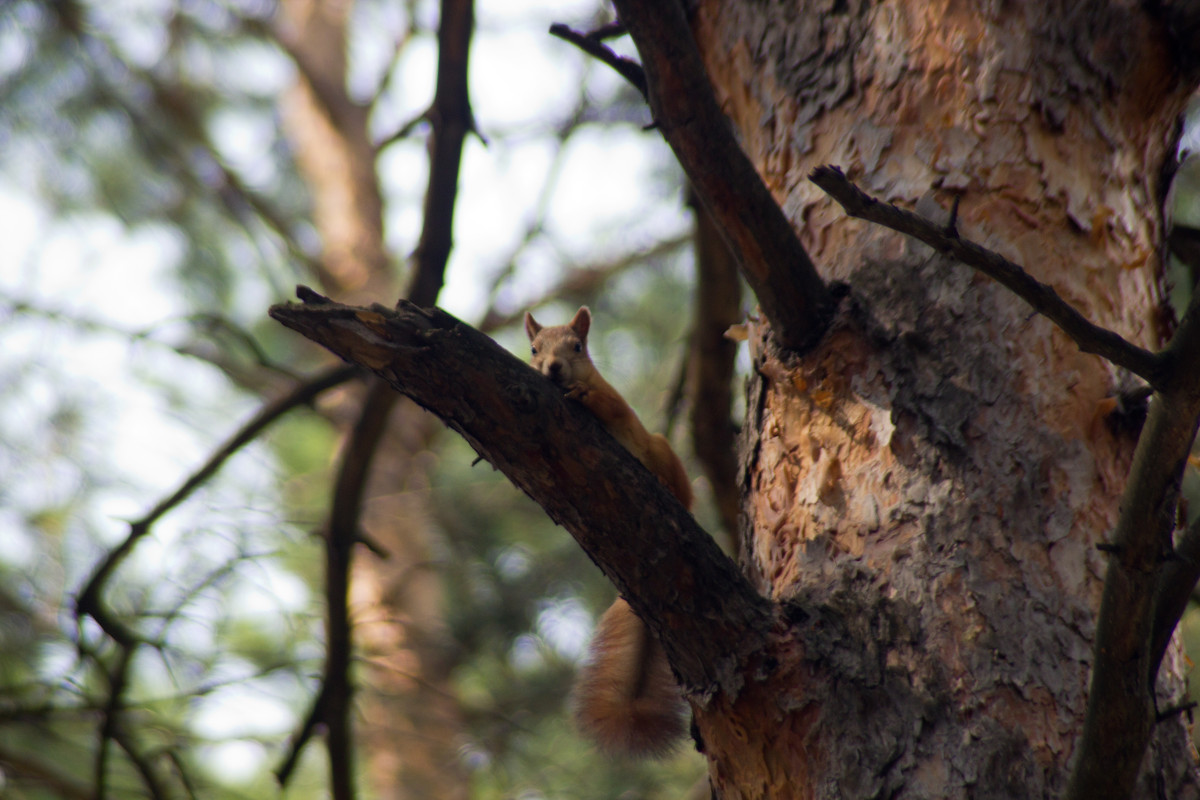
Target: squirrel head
x,y
560,351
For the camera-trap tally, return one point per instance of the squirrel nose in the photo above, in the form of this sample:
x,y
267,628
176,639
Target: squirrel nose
x,y
555,368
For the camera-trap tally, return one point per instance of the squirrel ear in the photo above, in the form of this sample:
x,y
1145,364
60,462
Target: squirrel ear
x,y
531,326
581,322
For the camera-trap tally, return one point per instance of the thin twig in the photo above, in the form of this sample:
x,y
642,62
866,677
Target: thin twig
x,y
89,600
609,30
1089,337
1176,710
593,44
952,224
109,720
155,784
314,717
403,131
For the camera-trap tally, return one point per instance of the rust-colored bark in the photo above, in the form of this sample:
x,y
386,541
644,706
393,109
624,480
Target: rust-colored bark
x,y
933,469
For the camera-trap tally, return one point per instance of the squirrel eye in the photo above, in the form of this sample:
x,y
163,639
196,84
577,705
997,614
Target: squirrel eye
x,y
533,350
579,347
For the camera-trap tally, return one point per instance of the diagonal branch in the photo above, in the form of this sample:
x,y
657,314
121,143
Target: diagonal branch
x,y
451,120
1091,338
593,44
707,615
790,292
314,717
1175,586
1138,606
89,600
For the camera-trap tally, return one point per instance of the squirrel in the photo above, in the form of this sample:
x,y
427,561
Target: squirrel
x,y
626,700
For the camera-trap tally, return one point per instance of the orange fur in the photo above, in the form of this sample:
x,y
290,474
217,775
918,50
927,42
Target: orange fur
x,y
626,700
560,353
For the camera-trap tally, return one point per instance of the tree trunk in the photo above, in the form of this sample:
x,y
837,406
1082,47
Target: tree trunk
x,y
926,489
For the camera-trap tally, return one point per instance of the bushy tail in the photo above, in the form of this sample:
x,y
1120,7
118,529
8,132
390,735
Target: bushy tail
x,y
626,700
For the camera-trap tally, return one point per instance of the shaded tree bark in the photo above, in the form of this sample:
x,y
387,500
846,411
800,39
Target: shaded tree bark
x,y
925,486
573,468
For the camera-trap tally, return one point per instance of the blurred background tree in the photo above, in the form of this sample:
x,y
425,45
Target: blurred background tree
x,y
181,480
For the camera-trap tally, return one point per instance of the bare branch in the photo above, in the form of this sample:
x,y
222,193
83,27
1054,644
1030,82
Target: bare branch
x,y
1136,604
451,118
718,306
1175,586
89,600
109,720
308,726
593,45
1091,338
708,617
792,295
144,764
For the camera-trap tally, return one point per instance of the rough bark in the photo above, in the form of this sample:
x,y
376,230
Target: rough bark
x,y
787,286
925,488
936,473
710,621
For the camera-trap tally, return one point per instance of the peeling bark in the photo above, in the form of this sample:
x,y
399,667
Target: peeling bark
x,y
938,469
925,487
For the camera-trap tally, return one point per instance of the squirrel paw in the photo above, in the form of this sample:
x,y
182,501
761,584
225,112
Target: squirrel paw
x,y
578,391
